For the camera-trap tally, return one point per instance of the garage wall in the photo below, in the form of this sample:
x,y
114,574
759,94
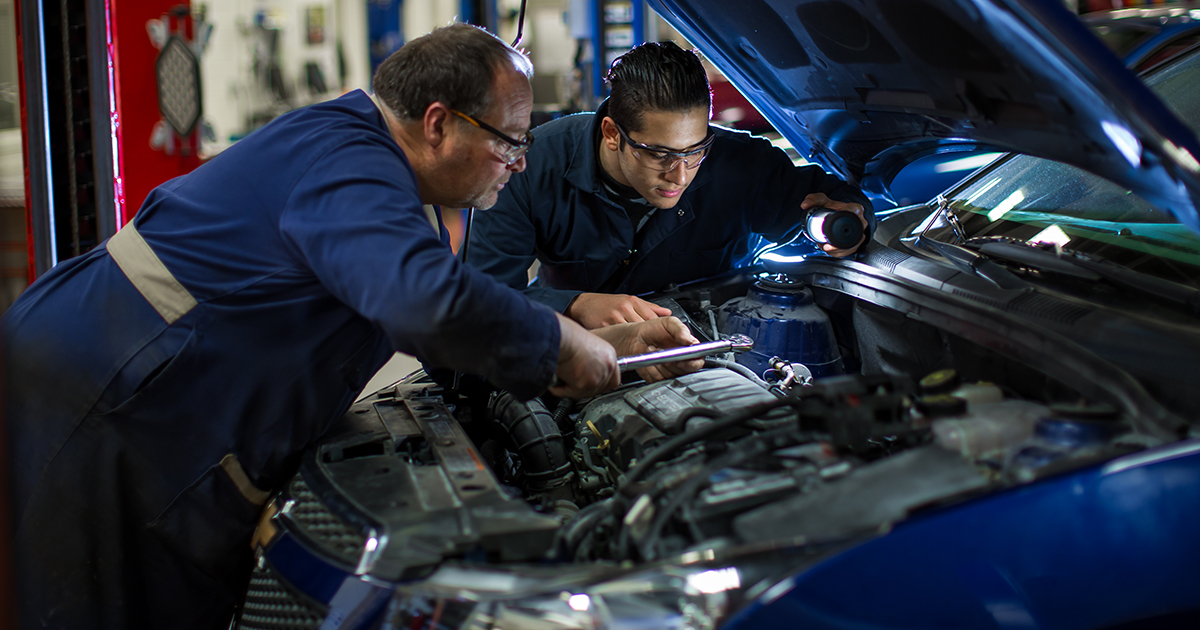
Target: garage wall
x,y
239,94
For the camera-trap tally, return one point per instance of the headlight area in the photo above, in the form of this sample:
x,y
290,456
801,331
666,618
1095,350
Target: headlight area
x,y
687,594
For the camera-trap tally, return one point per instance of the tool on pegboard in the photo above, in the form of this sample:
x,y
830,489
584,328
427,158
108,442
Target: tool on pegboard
x,y
177,76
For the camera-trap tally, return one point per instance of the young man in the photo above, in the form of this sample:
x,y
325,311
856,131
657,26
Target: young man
x,y
644,193
160,387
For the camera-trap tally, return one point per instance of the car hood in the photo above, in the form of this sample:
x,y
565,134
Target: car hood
x,y
863,86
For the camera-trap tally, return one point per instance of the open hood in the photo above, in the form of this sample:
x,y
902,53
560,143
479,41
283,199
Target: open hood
x,y
858,86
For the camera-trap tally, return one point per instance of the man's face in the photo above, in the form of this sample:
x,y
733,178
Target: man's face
x,y
673,131
479,169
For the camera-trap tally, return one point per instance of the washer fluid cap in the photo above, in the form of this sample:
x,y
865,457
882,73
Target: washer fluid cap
x,y
941,405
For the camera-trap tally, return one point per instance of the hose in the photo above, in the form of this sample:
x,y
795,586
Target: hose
x,y
713,362
536,438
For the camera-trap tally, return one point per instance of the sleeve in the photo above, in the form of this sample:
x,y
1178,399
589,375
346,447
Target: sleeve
x,y
504,244
356,220
779,187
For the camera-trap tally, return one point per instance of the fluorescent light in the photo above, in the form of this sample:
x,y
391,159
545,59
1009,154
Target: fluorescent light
x,y
1006,205
579,602
967,163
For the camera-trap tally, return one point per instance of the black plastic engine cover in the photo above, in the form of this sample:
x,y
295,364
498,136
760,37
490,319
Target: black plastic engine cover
x,y
405,474
633,419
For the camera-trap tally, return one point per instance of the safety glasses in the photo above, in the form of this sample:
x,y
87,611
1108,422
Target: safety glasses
x,y
665,159
512,149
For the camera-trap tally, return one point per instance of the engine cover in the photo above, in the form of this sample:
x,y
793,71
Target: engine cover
x,y
634,419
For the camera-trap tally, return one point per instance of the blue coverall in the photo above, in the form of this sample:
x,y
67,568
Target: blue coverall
x,y
559,212
147,430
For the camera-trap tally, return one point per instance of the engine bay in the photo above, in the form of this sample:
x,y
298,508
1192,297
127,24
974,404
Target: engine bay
x,y
845,420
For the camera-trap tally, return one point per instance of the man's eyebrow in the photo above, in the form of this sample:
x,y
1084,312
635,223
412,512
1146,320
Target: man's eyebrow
x,y
690,148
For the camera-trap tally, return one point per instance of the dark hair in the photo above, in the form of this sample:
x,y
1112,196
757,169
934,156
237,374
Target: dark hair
x,y
455,65
658,76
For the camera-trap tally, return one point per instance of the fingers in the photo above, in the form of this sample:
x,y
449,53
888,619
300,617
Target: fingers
x,y
596,310
667,332
814,200
678,331
820,200
664,371
650,310
633,309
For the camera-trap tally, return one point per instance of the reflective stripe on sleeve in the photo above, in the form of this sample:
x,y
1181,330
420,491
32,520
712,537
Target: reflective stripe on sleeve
x,y
149,275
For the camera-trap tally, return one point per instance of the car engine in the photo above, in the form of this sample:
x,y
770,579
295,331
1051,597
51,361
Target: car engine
x,y
809,438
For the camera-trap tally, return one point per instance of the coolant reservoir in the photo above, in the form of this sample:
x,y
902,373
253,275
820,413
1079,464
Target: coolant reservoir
x,y
988,426
781,317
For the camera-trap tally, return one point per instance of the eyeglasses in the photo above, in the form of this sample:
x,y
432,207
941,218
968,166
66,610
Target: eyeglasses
x,y
512,149
665,160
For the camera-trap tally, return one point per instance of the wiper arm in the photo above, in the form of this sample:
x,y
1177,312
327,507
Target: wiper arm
x,y
1037,258
1088,268
974,263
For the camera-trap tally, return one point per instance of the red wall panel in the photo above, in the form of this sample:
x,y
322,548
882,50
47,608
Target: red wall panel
x,y
140,167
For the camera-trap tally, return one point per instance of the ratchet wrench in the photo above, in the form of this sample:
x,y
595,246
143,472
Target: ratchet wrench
x,y
733,343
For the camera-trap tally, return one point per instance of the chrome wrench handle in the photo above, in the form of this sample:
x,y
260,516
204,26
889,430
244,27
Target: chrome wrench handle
x,y
733,343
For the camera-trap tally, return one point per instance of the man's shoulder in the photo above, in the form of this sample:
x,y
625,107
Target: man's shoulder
x,y
557,143
738,138
566,130
734,148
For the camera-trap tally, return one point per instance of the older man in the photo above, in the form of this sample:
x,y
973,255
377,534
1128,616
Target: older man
x,y
161,386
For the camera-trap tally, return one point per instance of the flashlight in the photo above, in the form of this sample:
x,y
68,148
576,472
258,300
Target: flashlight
x,y
839,228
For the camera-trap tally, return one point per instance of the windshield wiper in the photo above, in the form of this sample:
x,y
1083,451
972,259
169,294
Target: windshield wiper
x,y
1086,267
974,263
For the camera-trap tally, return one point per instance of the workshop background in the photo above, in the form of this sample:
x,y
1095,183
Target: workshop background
x,y
102,100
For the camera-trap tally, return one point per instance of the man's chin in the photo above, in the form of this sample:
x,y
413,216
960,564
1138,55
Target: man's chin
x,y
664,203
483,202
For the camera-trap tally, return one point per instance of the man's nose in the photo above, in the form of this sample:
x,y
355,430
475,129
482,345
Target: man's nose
x,y
677,175
519,165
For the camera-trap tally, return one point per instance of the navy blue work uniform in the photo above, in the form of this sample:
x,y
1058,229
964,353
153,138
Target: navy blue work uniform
x,y
560,212
162,385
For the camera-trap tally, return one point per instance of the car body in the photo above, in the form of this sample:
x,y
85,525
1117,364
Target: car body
x,y
1001,428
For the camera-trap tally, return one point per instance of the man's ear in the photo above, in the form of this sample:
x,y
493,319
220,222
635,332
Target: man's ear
x,y
436,124
612,137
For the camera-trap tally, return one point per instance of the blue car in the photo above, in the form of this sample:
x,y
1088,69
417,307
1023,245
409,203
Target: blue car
x,y
987,419
1141,36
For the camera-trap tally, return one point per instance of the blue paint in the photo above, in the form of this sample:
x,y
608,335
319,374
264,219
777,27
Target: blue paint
x,y
1107,545
307,572
784,322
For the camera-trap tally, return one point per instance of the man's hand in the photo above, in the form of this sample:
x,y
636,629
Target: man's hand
x,y
587,364
819,200
656,334
596,310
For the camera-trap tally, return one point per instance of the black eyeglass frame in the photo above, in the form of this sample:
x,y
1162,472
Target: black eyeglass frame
x,y
680,156
516,148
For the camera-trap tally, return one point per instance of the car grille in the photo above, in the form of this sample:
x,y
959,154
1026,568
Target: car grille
x,y
320,525
270,605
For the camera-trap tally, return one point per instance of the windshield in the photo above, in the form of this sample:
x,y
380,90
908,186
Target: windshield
x,y
1041,201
